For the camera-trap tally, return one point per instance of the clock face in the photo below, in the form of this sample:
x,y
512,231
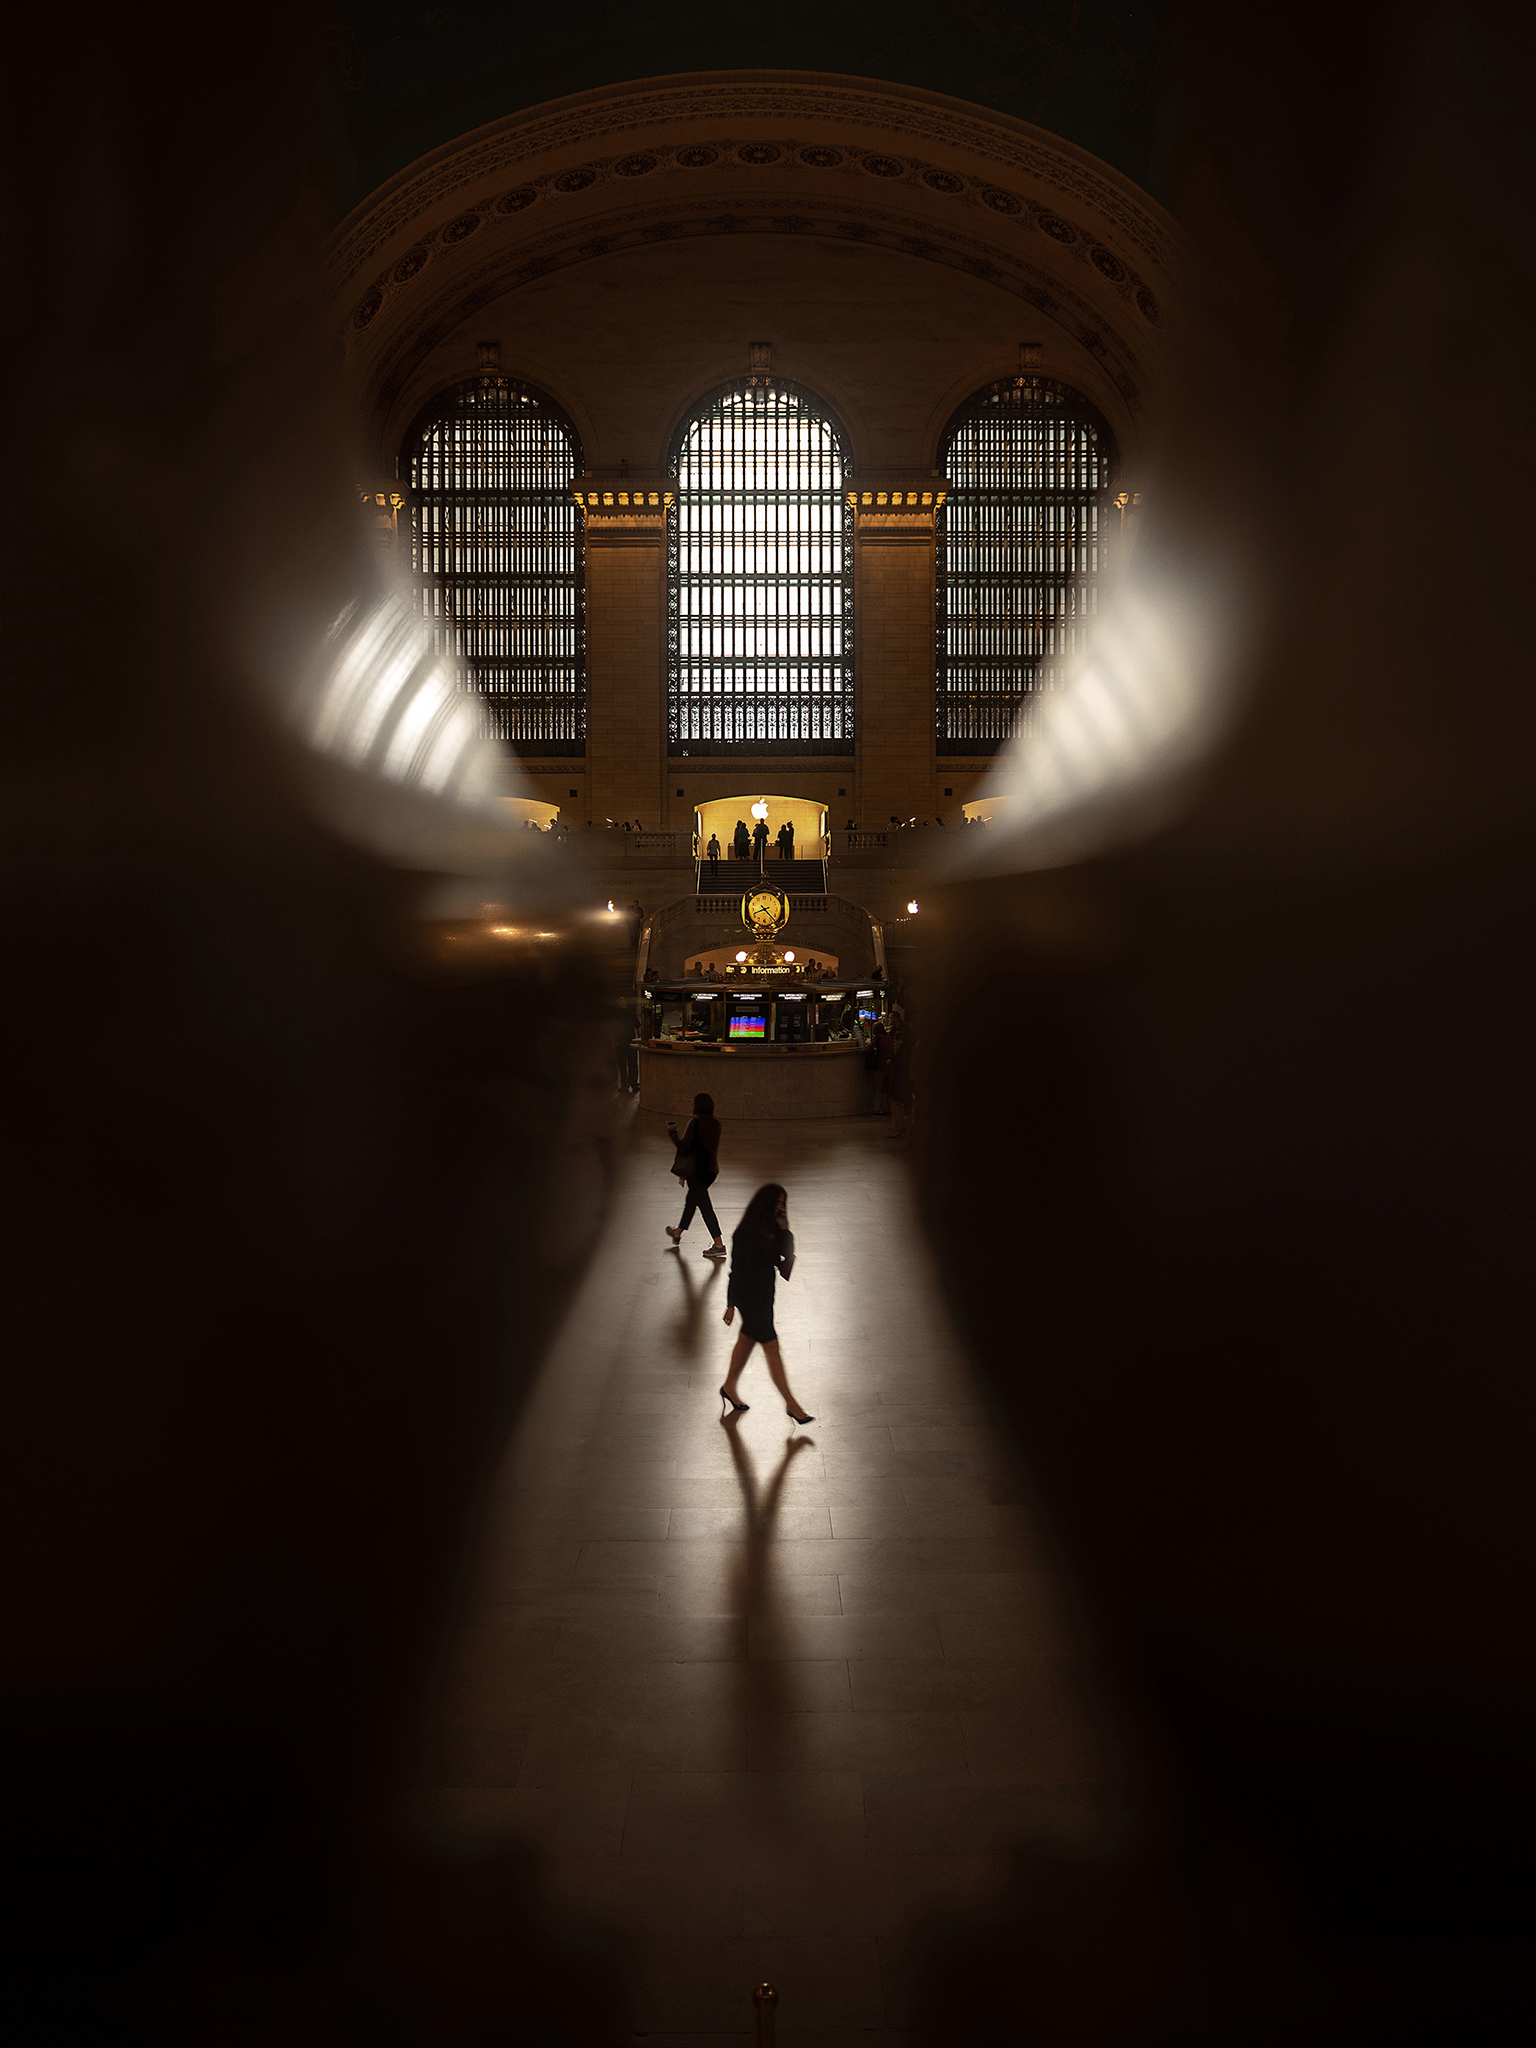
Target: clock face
x,y
765,911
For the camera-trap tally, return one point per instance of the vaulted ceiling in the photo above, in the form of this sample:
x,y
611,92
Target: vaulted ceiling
x,y
909,208
418,73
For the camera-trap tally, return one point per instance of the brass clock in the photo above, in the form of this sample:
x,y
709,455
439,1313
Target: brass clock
x,y
764,911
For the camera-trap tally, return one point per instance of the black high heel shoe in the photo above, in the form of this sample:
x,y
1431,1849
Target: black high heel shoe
x,y
736,1407
798,1418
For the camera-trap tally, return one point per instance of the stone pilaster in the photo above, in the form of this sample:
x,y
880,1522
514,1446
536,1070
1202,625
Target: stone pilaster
x,y
626,549
894,614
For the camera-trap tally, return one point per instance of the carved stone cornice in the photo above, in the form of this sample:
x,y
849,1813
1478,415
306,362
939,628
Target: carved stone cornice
x,y
623,512
382,503
896,510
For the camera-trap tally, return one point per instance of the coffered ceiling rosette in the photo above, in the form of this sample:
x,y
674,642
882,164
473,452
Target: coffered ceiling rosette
x,y
1087,254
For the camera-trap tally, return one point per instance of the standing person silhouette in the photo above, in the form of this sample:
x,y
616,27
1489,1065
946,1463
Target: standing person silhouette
x,y
760,840
761,1246
700,1144
712,855
787,842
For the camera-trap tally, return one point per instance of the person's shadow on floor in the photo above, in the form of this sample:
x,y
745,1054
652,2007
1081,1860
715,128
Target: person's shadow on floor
x,y
762,1512
690,1323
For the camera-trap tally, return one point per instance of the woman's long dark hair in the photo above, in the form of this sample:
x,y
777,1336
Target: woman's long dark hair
x,y
759,1217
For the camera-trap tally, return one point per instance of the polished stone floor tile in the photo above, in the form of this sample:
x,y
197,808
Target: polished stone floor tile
x,y
807,1688
820,1636
692,1811
469,1757
926,1814
558,1745
765,1701
693,1984
706,1897
942,1684
855,1742
582,1813
684,1637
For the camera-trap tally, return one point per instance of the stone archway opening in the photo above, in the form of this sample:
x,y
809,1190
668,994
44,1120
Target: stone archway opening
x,y
788,859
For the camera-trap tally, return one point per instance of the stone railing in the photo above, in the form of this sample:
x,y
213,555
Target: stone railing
x,y
680,931
654,842
863,842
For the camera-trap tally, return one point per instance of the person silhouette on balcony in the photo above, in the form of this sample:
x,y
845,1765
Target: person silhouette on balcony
x,y
743,840
712,855
786,840
760,841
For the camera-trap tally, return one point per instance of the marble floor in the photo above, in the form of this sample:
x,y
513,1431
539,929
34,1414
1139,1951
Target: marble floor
x,y
766,1701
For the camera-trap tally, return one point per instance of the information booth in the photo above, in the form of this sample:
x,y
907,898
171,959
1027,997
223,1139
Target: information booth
x,y
764,1049
768,1033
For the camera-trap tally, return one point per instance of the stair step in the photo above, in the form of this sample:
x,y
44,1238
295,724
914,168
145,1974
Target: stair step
x,y
797,877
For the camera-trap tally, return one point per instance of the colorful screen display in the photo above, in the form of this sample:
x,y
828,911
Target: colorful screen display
x,y
867,1016
748,1027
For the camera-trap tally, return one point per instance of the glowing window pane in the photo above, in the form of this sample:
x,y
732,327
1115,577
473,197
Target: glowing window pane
x,y
496,551
760,635
1022,542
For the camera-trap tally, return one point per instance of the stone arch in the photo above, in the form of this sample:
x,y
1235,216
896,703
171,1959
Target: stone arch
x,y
1090,261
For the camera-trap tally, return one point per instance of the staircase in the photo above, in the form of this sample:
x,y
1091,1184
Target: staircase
x,y
794,877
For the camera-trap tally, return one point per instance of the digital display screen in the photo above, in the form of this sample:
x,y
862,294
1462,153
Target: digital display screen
x,y
867,1016
748,1027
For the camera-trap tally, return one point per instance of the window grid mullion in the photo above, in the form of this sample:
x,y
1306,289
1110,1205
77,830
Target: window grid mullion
x,y
760,652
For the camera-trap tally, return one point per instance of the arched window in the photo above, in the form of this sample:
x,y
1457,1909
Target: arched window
x,y
1021,550
497,557
760,578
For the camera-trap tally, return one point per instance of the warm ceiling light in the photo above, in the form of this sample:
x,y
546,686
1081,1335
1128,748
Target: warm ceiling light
x,y
741,956
789,956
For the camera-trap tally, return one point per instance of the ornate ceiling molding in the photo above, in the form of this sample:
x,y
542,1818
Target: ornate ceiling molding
x,y
851,160
669,111
457,290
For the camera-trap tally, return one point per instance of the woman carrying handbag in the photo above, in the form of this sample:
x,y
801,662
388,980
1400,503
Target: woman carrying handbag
x,y
696,1164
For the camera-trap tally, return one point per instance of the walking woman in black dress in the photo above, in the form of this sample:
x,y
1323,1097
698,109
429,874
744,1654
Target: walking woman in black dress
x,y
760,1248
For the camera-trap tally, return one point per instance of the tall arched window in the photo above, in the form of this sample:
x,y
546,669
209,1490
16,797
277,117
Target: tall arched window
x,y
497,557
1021,551
760,584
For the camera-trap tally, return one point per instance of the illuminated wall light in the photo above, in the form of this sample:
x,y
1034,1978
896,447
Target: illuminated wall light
x,y
912,908
740,957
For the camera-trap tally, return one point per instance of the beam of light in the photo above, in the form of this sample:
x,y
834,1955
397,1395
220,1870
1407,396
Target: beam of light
x,y
388,706
1111,756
